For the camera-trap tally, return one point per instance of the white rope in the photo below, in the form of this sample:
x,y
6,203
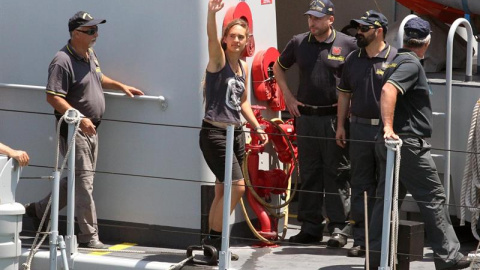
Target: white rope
x,y
471,176
69,120
395,145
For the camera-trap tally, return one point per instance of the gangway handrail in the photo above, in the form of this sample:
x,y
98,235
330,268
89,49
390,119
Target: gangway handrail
x,y
161,99
401,30
448,111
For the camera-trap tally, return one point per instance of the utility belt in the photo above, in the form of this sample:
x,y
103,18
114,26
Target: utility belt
x,y
318,110
365,121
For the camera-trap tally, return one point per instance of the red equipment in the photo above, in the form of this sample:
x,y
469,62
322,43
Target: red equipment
x,y
264,85
263,184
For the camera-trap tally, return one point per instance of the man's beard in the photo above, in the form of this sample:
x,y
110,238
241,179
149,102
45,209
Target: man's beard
x,y
362,41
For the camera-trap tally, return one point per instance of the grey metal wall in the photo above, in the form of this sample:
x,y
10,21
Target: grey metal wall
x,y
158,46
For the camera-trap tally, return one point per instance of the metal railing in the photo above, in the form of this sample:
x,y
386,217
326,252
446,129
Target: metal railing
x,y
160,99
448,111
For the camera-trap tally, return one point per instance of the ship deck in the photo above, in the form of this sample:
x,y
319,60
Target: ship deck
x,y
283,256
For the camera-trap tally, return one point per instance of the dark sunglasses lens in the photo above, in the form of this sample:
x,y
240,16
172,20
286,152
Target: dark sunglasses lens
x,y
364,28
91,31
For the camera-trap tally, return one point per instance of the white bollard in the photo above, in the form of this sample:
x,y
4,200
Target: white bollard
x,y
10,228
10,215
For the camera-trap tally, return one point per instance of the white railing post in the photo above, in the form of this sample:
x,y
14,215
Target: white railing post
x,y
71,239
448,111
387,209
224,254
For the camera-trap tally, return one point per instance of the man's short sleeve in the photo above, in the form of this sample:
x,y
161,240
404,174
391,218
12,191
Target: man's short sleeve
x,y
345,85
287,58
404,76
59,80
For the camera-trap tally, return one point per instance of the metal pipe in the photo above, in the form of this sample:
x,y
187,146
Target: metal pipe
x,y
54,217
387,209
70,237
401,30
61,245
161,99
448,111
224,255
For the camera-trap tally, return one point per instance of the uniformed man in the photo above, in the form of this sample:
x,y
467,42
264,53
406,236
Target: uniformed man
x,y
406,113
320,55
361,84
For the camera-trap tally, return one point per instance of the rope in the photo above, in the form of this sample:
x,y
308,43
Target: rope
x,y
395,145
470,184
69,120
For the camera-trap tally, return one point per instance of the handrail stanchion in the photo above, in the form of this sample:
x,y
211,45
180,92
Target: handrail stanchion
x,y
70,239
387,209
401,30
54,223
224,254
448,112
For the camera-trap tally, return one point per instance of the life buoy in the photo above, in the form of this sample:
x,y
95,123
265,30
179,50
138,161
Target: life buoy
x,y
242,11
264,85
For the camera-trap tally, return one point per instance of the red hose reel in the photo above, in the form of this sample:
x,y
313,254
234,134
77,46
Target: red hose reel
x,y
264,84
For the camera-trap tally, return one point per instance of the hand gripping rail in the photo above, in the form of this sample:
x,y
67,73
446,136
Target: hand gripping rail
x,y
161,99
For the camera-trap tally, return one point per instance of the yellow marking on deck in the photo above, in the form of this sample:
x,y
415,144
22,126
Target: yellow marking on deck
x,y
292,216
121,246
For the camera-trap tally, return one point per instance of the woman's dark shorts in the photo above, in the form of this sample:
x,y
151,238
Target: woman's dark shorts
x,y
213,142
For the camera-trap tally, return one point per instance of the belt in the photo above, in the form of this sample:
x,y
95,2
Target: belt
x,y
366,121
318,110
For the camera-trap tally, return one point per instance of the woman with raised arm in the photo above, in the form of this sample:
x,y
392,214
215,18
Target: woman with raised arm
x,y
226,96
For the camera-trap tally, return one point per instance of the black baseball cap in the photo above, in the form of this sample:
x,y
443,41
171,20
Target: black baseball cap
x,y
82,18
371,17
320,8
417,28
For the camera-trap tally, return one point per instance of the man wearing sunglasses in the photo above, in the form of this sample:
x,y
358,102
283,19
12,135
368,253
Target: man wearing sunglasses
x,y
319,55
75,80
358,99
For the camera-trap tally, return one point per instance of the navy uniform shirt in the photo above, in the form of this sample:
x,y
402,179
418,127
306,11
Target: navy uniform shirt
x,y
413,111
362,77
320,65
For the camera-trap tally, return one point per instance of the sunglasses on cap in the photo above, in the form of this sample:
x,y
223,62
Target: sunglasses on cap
x,y
365,28
90,31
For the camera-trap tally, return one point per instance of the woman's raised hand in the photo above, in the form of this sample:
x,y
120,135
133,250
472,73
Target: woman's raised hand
x,y
215,5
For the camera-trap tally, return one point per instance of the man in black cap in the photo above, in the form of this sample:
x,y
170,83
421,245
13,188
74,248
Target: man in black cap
x,y
324,168
361,84
406,114
75,80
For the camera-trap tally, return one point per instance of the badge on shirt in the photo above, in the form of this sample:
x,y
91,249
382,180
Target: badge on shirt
x,y
336,50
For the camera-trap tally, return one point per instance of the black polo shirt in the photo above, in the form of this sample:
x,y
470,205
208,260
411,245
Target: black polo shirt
x,y
78,81
320,65
413,111
362,77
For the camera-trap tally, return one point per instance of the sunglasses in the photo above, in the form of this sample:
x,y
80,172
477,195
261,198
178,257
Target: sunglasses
x,y
365,28
90,31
